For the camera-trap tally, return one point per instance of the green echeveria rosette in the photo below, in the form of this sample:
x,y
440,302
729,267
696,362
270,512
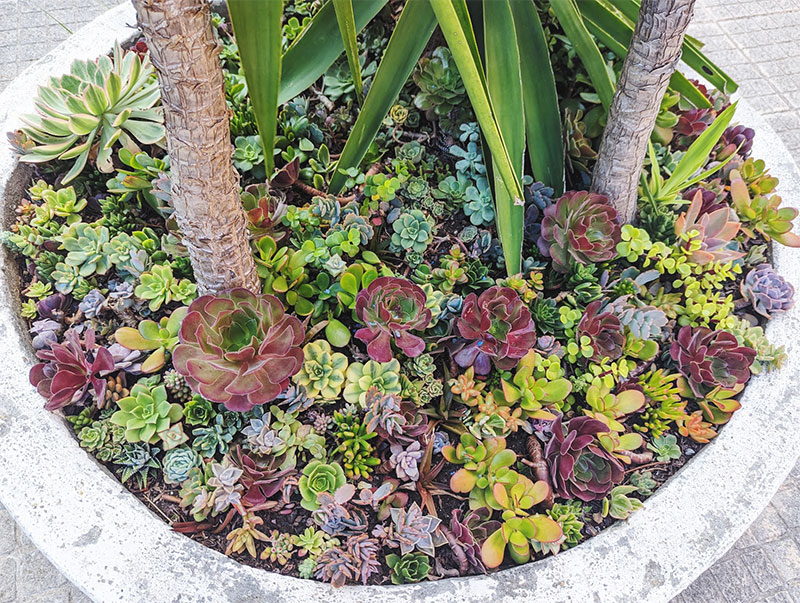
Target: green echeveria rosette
x,y
390,307
412,231
323,371
580,227
239,349
177,464
319,477
409,568
146,413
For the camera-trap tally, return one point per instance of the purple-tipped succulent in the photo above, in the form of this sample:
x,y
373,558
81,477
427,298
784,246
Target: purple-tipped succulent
x,y
735,139
579,465
604,330
70,369
391,308
711,358
767,291
580,227
497,326
238,348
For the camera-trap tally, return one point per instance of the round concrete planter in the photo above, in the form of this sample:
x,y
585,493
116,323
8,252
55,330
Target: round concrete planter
x,y
115,549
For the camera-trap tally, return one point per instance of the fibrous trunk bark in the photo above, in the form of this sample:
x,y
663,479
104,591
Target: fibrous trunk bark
x,y
653,54
205,185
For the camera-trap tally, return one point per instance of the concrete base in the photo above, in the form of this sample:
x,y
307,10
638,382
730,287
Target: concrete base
x,y
115,549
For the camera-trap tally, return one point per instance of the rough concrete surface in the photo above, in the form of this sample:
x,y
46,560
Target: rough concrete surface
x,y
755,41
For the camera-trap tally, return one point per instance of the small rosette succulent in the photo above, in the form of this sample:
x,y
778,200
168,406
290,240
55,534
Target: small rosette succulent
x,y
497,325
70,369
710,358
323,370
390,307
767,291
604,331
579,466
238,348
146,413
580,227
319,477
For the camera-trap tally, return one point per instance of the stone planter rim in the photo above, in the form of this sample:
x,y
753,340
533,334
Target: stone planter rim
x,y
115,549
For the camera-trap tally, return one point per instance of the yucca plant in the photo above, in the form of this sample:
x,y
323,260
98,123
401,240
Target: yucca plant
x,y
506,72
98,102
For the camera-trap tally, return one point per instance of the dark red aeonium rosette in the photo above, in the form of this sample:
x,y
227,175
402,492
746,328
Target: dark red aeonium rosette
x,y
498,326
70,369
391,307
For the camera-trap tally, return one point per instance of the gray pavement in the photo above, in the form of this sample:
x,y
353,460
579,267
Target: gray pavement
x,y
754,40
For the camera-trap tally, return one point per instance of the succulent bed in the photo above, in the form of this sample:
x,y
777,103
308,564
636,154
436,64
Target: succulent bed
x,y
393,407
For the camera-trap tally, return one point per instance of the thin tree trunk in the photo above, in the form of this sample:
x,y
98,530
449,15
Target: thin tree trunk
x,y
653,54
205,186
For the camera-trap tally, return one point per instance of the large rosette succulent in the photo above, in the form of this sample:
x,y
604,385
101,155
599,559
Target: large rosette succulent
x,y
767,291
498,326
604,330
390,307
711,358
580,227
579,466
70,369
238,348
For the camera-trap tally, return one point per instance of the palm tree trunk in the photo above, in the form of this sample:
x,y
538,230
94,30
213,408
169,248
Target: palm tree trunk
x,y
205,186
653,54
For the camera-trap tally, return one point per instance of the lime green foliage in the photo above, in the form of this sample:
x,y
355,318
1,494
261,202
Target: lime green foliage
x,y
323,371
538,382
84,245
159,286
619,505
768,356
515,496
62,203
666,447
360,377
412,231
161,337
608,408
410,568
283,272
664,403
635,242
312,542
319,477
381,187
484,463
354,446
102,101
38,290
763,213
568,515
146,413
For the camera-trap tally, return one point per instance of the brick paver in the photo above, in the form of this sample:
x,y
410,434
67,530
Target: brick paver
x,y
754,40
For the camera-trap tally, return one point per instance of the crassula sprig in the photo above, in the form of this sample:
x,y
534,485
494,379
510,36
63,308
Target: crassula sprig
x,y
391,307
71,369
497,326
710,358
238,348
580,227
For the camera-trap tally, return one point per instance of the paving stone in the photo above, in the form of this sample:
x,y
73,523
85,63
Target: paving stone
x,y
761,569
8,580
7,540
785,556
36,574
